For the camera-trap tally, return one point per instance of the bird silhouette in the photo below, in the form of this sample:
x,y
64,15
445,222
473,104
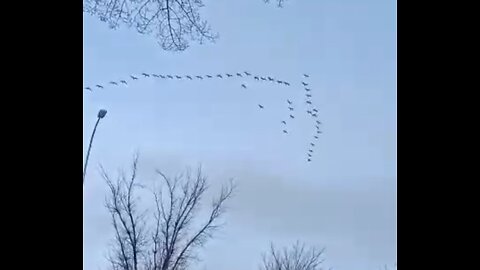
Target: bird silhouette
x,y
133,77
310,155
280,82
308,89
114,83
283,122
318,122
124,82
310,150
316,137
209,76
290,108
256,78
309,112
170,76
263,78
190,78
219,76
289,102
308,95
261,107
239,75
315,110
284,131
88,88
244,86
99,86
309,160
308,102
286,83
270,79
291,116
314,114
246,73
304,83
145,75
199,77
306,75
312,144
178,77
319,132
229,75
317,127
161,76
155,75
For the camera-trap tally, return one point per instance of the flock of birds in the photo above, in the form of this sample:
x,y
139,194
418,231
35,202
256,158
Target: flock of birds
x,y
311,111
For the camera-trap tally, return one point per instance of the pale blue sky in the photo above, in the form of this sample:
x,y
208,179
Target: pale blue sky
x,y
344,200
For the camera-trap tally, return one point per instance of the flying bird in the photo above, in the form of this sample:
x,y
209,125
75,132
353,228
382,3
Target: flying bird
x,y
308,102
124,82
155,75
309,112
229,75
244,86
209,76
219,76
310,155
308,89
261,107
270,79
190,78
304,83
318,122
308,95
312,144
161,76
256,78
246,73
319,132
317,127
291,116
280,82
316,137
310,150
284,131
178,77
88,88
314,114
315,110
145,75
286,83
289,102
283,122
133,77
306,75
99,86
239,75
263,78
309,160
200,77
170,76
290,108
114,83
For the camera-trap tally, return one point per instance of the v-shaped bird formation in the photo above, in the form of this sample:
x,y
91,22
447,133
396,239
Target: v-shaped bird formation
x,y
312,111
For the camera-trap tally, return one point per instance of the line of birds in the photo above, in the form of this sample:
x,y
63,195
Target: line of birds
x,y
189,77
313,112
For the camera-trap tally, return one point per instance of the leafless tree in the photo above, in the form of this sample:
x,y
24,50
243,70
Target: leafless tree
x,y
297,257
167,237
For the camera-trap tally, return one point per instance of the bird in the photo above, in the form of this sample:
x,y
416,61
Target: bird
x,y
315,110
316,137
199,77
318,122
304,83
270,79
161,76
133,77
312,144
244,86
289,102
178,77
310,150
246,73
314,114
256,78
308,102
317,127
280,82
286,83
229,75
239,75
170,76
261,107
209,76
263,78
319,132
190,78
290,108
309,112
309,160
155,75
291,116
284,131
114,83
124,82
306,75
219,76
283,122
99,86
308,89
88,88
308,95
310,155
145,74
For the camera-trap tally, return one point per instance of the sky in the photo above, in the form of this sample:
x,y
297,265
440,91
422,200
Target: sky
x,y
344,200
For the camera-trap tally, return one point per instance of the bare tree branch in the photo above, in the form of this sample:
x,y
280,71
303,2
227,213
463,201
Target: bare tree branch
x,y
296,257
